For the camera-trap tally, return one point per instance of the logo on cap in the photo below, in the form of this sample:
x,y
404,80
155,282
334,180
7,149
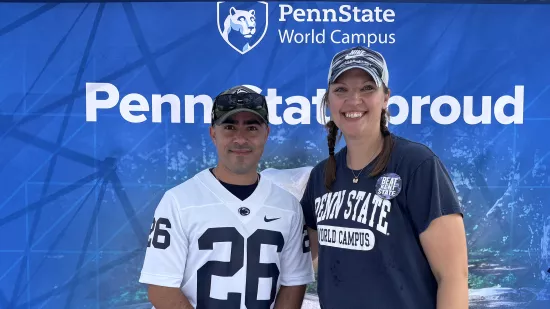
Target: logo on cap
x,y
388,186
356,53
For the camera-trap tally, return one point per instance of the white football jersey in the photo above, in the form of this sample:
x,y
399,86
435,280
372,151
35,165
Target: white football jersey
x,y
223,252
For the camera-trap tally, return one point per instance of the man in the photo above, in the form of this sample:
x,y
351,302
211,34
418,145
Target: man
x,y
228,238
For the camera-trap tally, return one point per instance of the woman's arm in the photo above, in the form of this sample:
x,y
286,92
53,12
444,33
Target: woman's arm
x,y
444,243
313,246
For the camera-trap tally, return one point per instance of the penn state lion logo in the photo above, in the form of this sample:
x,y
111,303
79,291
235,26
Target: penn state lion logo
x,y
241,21
239,28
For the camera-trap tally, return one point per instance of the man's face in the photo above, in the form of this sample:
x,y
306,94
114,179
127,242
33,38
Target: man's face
x,y
240,142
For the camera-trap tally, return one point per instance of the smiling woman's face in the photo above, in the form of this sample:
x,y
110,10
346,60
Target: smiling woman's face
x,y
356,103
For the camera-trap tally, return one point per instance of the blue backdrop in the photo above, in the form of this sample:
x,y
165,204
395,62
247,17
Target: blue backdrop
x,y
81,171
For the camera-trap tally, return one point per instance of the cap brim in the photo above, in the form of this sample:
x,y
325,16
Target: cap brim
x,y
371,72
235,111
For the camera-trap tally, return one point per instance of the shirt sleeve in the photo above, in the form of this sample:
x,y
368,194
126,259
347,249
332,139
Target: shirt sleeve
x,y
296,264
308,205
167,246
431,194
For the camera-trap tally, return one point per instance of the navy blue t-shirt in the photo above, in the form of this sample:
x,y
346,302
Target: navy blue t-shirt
x,y
370,254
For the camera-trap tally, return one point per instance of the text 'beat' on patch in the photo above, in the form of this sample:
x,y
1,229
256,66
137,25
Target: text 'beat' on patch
x,y
388,186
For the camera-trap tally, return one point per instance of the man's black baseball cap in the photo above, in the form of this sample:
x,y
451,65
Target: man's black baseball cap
x,y
239,99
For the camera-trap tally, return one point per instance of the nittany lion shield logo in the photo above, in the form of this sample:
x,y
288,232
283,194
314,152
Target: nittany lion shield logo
x,y
242,25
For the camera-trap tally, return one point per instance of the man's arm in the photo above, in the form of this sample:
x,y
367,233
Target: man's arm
x,y
290,297
296,264
166,257
168,298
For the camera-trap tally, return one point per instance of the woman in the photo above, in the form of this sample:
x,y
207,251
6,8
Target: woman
x,y
382,213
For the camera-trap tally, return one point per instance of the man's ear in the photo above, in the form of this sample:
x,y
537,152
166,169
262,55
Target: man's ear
x,y
213,135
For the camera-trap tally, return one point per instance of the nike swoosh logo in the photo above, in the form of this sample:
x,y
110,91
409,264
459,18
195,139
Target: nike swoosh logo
x,y
271,219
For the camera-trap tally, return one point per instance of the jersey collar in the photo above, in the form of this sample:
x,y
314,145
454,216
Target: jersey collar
x,y
256,198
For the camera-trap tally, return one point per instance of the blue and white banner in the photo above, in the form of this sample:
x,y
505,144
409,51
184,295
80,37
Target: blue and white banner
x,y
105,106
